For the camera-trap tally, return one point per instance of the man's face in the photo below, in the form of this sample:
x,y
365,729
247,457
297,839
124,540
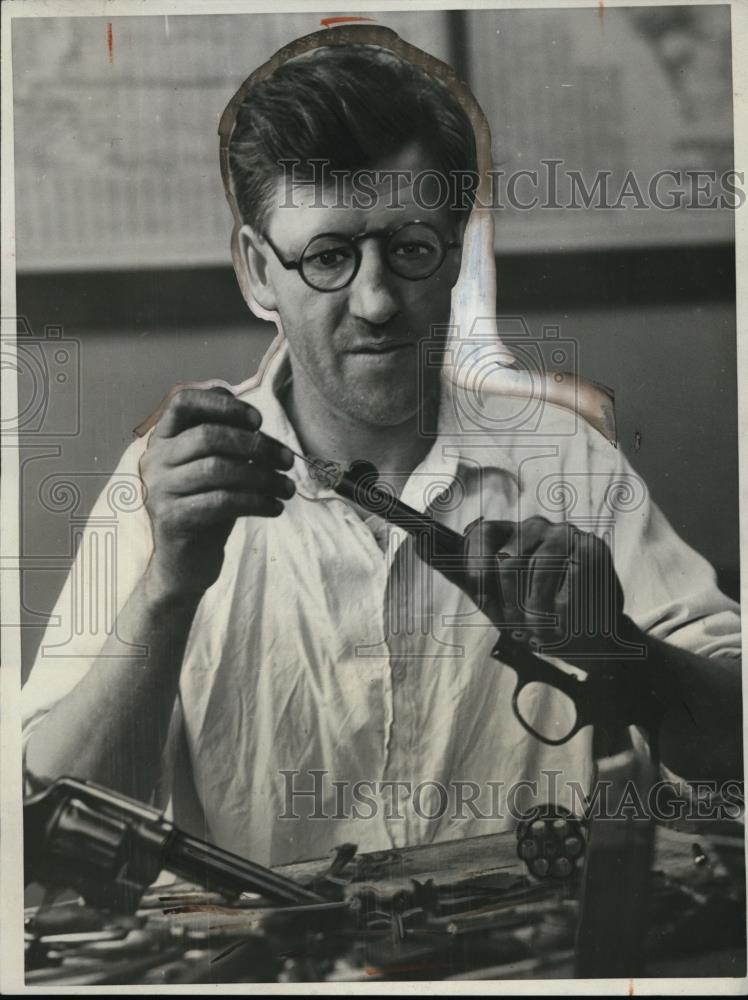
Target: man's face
x,y
358,347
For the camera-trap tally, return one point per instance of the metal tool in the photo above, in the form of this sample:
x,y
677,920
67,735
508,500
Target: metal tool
x,y
109,848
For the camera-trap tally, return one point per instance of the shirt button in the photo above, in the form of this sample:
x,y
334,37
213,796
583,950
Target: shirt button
x,y
398,672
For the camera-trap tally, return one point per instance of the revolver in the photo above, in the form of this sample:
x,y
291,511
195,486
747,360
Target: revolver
x,y
110,848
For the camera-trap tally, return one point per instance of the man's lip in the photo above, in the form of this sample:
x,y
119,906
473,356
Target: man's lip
x,y
381,347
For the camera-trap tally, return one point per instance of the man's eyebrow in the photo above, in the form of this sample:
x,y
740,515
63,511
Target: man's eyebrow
x,y
300,243
400,217
354,235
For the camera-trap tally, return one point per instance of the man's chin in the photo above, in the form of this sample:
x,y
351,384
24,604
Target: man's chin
x,y
386,397
392,406
384,412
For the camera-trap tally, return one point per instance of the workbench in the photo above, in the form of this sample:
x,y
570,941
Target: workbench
x,y
522,929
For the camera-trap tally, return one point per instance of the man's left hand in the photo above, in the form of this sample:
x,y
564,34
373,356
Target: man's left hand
x,y
552,586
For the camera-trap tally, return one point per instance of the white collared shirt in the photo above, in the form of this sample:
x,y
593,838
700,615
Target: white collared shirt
x,y
328,658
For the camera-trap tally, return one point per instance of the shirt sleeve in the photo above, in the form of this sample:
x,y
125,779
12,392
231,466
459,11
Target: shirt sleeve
x,y
112,552
670,590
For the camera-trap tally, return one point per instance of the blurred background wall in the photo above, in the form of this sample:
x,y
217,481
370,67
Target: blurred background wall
x,y
124,274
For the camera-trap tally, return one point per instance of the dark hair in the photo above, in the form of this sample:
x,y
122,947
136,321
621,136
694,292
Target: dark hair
x,y
351,105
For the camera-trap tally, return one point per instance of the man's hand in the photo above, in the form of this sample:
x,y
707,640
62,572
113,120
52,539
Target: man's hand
x,y
551,586
204,467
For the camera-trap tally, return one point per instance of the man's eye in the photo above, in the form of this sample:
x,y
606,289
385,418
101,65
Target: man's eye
x,y
331,257
411,250
327,258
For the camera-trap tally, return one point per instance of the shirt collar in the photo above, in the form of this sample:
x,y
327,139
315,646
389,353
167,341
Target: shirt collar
x,y
465,429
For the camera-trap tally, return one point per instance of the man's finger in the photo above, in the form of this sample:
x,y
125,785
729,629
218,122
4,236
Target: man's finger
x,y
265,450
215,473
229,442
191,407
548,569
218,506
532,533
484,540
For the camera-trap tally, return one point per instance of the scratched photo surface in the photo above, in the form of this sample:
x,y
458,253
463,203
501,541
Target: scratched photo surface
x,y
472,272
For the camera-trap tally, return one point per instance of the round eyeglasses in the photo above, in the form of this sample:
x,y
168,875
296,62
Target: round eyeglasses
x,y
330,261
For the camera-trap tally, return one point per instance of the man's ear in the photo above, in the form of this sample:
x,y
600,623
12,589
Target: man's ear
x,y
254,251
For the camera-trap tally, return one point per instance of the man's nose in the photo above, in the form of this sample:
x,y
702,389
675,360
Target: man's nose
x,y
373,296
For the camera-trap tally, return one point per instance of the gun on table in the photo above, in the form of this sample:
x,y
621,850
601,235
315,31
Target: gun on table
x,y
110,848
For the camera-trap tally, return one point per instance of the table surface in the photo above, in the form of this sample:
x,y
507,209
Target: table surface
x,y
490,859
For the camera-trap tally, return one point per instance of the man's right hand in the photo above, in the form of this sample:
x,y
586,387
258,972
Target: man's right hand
x,y
205,465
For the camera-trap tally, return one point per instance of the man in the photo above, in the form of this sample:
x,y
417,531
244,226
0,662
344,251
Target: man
x,y
285,669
